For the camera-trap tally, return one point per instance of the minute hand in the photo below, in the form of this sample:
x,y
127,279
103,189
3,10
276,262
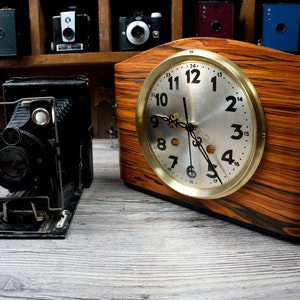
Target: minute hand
x,y
197,141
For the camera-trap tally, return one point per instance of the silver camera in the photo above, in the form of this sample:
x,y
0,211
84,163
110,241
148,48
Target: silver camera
x,y
71,32
140,32
67,23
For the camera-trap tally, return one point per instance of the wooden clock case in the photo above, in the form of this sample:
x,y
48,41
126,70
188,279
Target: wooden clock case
x,y
270,201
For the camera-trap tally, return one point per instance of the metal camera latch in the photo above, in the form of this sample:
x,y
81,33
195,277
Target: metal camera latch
x,y
64,219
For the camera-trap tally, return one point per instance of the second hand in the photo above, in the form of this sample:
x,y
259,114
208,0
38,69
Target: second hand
x,y
190,170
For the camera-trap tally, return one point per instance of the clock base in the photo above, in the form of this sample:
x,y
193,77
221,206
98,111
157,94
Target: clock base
x,y
270,200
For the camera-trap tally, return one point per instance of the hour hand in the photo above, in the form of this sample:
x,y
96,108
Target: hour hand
x,y
171,119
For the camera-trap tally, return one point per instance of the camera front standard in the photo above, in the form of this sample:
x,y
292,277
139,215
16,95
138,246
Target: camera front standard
x,y
140,32
71,32
45,154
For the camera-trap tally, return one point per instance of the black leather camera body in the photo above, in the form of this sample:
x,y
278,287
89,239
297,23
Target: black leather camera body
x,y
71,32
45,154
140,32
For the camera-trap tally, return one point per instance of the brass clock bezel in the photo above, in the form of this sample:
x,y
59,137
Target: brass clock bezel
x,y
257,115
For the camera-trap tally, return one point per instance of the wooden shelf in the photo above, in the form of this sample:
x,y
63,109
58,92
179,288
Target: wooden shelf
x,y
40,26
98,65
64,60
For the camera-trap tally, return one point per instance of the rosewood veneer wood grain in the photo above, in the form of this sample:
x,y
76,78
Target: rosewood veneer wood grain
x,y
270,201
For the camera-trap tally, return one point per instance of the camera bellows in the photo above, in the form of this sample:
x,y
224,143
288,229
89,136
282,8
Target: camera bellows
x,y
64,106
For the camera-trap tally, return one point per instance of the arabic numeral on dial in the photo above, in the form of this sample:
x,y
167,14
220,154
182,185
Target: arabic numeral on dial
x,y
238,132
161,144
173,83
214,83
174,161
228,156
212,171
154,121
161,99
232,102
191,172
192,76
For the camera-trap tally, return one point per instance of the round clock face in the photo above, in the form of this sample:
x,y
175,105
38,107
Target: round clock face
x,y
200,124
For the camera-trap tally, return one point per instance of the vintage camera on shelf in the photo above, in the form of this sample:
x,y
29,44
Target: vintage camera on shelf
x,y
71,32
281,26
14,32
45,154
140,32
215,19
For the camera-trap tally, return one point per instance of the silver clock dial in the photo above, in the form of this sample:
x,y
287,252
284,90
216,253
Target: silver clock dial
x,y
199,127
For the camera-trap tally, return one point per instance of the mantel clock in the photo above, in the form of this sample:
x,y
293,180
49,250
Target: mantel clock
x,y
213,124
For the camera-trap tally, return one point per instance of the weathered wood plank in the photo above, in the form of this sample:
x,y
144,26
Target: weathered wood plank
x,y
123,244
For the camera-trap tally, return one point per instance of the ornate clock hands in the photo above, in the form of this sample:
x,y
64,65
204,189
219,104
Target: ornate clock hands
x,y
171,120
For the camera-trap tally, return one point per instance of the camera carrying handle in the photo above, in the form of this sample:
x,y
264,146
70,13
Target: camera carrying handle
x,y
26,101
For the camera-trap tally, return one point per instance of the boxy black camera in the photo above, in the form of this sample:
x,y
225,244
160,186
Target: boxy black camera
x,y
14,32
45,154
140,32
71,32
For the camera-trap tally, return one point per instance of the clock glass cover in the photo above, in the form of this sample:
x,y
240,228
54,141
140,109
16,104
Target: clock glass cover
x,y
200,124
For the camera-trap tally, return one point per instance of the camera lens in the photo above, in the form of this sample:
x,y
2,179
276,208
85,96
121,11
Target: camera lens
x,y
11,135
216,26
280,28
22,163
68,33
14,162
137,32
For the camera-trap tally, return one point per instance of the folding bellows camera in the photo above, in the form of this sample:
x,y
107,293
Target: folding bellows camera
x,y
45,154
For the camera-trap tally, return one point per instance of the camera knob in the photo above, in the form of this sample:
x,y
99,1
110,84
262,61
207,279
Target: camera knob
x,y
40,117
156,15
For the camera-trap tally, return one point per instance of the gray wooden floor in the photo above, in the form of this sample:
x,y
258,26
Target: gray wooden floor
x,y
123,244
